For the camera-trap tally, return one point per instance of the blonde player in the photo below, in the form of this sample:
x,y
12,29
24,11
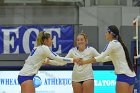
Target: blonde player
x,y
118,53
35,60
82,76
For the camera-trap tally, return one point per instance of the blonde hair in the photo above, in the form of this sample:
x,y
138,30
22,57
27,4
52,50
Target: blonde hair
x,y
41,37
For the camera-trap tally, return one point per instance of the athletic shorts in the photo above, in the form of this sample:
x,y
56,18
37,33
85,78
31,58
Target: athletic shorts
x,y
125,78
81,82
21,79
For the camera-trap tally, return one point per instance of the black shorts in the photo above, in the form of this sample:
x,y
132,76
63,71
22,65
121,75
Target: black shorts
x,y
81,82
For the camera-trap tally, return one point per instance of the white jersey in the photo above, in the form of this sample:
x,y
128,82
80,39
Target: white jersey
x,y
36,59
115,52
83,72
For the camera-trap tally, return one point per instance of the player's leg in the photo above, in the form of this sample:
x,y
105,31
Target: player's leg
x,y
88,86
124,84
26,83
122,87
77,87
27,87
131,87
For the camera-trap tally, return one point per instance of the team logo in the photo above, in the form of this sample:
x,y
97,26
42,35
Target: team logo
x,y
37,81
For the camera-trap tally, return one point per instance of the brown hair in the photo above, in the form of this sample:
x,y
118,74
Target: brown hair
x,y
85,36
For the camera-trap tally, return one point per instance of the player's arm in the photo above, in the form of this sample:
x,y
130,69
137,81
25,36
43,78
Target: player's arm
x,y
138,56
103,57
57,58
70,54
106,59
89,61
95,53
53,62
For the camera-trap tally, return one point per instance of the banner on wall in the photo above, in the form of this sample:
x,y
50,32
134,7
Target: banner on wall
x,y
57,81
22,39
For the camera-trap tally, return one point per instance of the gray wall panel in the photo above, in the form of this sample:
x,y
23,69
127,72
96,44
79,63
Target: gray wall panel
x,y
38,15
128,15
51,15
107,16
88,16
92,33
12,60
127,33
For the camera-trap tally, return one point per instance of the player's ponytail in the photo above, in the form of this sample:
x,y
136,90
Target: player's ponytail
x,y
41,37
126,53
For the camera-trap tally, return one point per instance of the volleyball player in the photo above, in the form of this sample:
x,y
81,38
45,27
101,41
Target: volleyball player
x,y
82,76
118,53
35,60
